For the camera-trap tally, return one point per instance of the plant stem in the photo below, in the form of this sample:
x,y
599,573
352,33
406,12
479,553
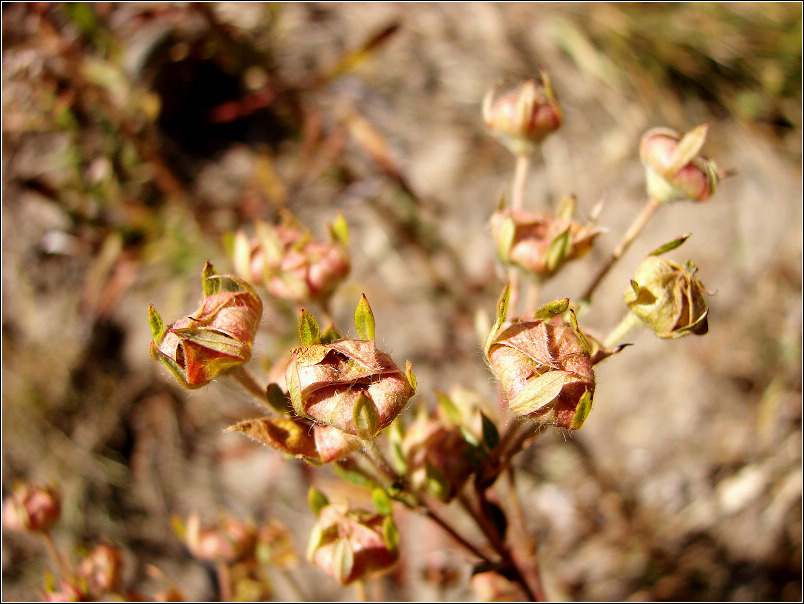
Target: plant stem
x,y
224,581
629,321
520,178
63,567
249,383
630,235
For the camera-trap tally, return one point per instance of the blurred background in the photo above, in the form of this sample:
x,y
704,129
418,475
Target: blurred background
x,y
138,136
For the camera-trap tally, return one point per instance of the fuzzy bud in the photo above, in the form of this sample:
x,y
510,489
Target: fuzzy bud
x,y
668,298
290,263
215,338
540,243
543,365
522,116
349,544
31,508
673,168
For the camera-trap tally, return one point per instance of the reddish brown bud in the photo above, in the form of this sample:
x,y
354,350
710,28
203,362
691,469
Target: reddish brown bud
x,y
349,544
521,117
215,338
31,508
540,243
292,265
228,540
673,167
544,366
102,569
348,384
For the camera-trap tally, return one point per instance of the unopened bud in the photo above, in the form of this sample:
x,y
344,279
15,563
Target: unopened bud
x,y
349,544
521,117
102,569
673,168
31,508
67,591
215,338
228,540
668,298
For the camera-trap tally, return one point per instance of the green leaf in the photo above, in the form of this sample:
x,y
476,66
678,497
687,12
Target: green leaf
x,y
558,250
316,500
342,470
491,436
502,312
277,399
448,407
670,245
209,286
566,207
158,328
213,340
381,501
364,319
294,388
539,392
366,417
505,239
410,375
339,230
330,335
573,320
309,332
343,560
552,309
390,535
582,411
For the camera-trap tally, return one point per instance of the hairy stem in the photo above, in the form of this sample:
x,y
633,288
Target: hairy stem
x,y
249,383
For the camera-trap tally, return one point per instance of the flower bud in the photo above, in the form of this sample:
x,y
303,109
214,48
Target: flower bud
x,y
540,243
215,338
102,569
543,365
349,544
438,457
67,591
290,264
673,168
521,117
229,540
31,508
668,298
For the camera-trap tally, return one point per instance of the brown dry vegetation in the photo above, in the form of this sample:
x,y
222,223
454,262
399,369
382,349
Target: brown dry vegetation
x,y
135,136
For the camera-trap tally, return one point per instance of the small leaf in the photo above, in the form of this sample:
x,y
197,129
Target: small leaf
x,y
330,335
277,399
502,312
309,332
558,250
566,207
343,560
366,417
670,245
448,407
339,230
505,239
208,285
364,320
316,500
381,501
539,392
343,469
551,309
390,535
158,328
582,411
410,375
491,436
573,320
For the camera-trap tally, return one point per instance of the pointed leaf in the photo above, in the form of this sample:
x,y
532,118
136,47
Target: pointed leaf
x,y
582,411
687,148
364,319
339,231
277,399
213,340
390,535
502,312
208,285
316,500
343,469
551,309
366,417
410,375
505,239
670,245
566,208
309,332
558,250
539,392
330,335
573,320
381,501
491,436
294,388
158,328
448,407
343,560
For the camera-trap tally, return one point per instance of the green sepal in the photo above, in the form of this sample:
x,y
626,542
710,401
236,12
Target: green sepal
x,y
366,417
339,230
209,286
558,250
277,399
294,388
158,328
573,320
505,239
174,368
539,392
309,332
350,475
566,207
502,312
316,500
343,560
670,245
213,340
491,436
582,411
381,501
410,375
316,540
390,535
448,407
551,309
364,319
330,335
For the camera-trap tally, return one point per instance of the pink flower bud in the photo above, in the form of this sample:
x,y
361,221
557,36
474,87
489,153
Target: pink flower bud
x,y
668,298
229,540
31,508
521,117
290,264
349,544
674,170
102,569
215,338
348,384
544,367
540,243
